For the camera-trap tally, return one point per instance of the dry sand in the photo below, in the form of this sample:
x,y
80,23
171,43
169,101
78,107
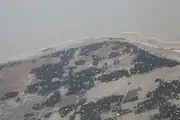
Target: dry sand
x,y
16,77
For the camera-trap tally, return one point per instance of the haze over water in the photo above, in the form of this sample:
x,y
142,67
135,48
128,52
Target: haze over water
x,y
28,25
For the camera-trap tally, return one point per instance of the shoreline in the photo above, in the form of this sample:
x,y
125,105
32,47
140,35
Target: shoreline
x,y
63,45
39,52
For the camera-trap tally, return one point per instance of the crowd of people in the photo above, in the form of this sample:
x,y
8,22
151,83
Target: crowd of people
x,y
10,64
63,111
85,79
144,62
159,98
9,95
87,49
103,104
87,110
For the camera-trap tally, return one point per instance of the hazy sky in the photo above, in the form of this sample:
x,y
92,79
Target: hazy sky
x,y
27,25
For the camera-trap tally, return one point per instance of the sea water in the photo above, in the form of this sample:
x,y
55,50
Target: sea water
x,y
29,25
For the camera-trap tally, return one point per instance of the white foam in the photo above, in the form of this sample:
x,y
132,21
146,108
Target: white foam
x,y
129,36
38,52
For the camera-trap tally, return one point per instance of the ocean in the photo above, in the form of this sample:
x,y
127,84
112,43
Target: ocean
x,y
27,26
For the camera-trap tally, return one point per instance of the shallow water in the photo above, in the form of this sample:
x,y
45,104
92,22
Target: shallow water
x,y
29,25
